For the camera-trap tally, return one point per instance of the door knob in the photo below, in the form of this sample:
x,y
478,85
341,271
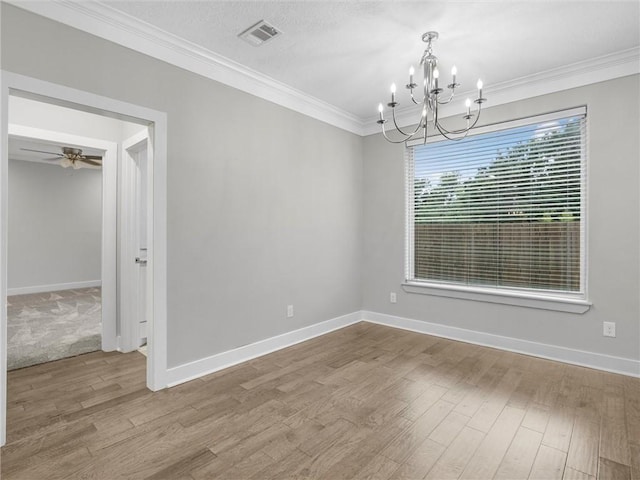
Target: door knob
x,y
141,261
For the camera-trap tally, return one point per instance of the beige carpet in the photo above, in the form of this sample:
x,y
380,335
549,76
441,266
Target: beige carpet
x,y
42,327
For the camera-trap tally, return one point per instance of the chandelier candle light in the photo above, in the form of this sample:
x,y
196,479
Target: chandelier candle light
x,y
432,98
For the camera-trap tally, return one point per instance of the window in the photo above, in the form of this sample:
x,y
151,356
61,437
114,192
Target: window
x,y
502,209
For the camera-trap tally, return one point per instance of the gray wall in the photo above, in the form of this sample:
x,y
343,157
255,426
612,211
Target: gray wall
x,y
280,213
264,204
613,240
55,224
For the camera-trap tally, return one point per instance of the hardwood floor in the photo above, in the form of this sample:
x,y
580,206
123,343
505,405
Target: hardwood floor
x,y
362,402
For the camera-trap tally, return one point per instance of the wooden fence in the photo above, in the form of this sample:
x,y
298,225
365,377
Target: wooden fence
x,y
519,254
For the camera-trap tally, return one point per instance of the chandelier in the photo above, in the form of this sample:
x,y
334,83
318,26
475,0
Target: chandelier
x,y
432,97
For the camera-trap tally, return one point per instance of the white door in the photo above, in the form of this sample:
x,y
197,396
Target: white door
x,y
133,285
141,227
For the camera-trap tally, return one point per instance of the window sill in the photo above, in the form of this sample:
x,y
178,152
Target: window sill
x,y
505,297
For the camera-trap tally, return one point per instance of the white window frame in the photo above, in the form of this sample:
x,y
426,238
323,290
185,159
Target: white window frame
x,y
547,300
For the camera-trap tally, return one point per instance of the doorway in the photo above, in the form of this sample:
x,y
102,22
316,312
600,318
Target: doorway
x,y
61,263
21,86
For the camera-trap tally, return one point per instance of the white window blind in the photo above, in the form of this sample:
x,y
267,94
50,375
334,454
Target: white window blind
x,y
502,209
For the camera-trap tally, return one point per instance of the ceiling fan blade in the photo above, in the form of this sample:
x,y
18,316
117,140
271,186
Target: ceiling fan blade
x,y
92,157
40,151
90,162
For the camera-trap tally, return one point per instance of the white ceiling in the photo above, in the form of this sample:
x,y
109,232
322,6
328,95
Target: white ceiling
x,y
347,53
335,60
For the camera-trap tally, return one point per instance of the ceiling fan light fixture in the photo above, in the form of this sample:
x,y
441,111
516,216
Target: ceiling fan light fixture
x,y
72,157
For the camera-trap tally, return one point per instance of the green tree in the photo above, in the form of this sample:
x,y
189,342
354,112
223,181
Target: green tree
x,y
537,179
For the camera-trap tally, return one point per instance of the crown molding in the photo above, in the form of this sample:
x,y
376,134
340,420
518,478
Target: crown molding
x,y
106,22
579,74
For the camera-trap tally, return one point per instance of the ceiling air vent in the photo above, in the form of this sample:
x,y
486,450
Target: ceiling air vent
x,y
259,33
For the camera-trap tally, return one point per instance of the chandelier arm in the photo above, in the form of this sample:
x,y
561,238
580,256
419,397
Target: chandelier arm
x,y
461,131
408,135
446,134
384,134
415,101
425,134
442,129
433,104
433,101
448,100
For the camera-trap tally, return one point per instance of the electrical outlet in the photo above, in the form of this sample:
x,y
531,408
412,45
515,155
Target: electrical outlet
x,y
392,297
289,311
609,329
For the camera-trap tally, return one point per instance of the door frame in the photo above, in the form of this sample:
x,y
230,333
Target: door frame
x,y
21,85
109,229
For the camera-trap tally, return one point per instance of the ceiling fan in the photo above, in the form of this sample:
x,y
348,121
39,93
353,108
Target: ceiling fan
x,y
71,157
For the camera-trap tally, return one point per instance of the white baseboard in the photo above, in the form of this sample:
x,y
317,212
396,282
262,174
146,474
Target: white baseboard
x,y
599,361
199,368
53,287
205,366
